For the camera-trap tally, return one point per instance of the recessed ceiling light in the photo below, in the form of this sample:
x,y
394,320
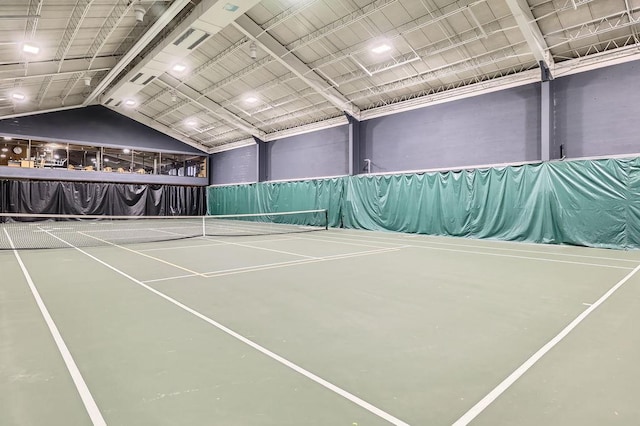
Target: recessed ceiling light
x,y
384,47
230,7
126,150
129,103
5,149
18,96
191,123
3,156
251,99
106,160
30,48
179,68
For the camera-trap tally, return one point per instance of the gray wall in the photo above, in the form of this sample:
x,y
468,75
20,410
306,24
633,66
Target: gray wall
x,y
597,111
95,125
235,166
499,127
316,154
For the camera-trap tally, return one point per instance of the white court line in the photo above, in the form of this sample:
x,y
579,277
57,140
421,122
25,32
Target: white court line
x,y
261,248
299,262
245,269
295,367
479,246
524,257
212,245
171,278
87,399
141,254
346,242
506,383
543,259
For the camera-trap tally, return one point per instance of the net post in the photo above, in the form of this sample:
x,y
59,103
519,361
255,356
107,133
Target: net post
x,y
326,219
204,227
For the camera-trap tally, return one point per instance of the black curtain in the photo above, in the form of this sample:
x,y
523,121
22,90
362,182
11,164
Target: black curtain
x,y
92,198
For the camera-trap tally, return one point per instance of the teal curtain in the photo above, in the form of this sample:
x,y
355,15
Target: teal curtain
x,y
591,203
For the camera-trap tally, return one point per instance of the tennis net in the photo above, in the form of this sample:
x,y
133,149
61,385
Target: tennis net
x,y
32,231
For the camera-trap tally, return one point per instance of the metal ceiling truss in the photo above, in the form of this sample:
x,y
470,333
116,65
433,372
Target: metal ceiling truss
x,y
592,28
529,28
415,25
202,68
436,48
192,96
119,11
75,21
341,23
516,72
270,45
140,43
491,58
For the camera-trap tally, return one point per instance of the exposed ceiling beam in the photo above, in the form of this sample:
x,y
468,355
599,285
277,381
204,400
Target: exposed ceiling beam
x,y
528,26
273,47
40,111
51,67
194,97
73,26
146,38
55,74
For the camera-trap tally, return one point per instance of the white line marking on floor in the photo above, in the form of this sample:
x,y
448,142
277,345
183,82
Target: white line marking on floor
x,y
261,248
486,253
346,242
427,240
246,269
524,257
295,367
87,399
177,277
506,383
298,262
141,254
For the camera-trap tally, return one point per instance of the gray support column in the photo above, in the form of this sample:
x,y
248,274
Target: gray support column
x,y
547,143
356,148
263,160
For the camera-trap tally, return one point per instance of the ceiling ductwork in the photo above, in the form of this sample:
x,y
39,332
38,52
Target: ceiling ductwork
x,y
206,20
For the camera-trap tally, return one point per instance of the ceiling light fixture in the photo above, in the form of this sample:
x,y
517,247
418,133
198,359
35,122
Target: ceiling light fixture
x,y
30,48
230,7
130,103
7,138
140,12
191,123
5,149
179,68
126,150
18,96
3,156
384,47
251,99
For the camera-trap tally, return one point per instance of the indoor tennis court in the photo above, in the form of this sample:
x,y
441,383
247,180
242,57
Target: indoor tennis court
x,y
336,327
319,212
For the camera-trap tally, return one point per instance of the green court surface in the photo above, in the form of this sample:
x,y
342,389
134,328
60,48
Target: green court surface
x,y
336,327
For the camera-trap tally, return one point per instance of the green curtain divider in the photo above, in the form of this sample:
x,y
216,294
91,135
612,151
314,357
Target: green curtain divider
x,y
591,203
278,197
